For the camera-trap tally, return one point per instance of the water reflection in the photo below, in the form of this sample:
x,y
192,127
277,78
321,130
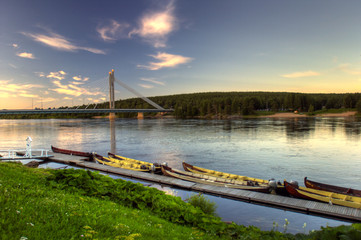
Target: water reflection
x,y
299,128
113,143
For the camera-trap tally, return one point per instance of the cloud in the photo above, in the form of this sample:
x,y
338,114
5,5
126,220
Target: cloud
x,y
79,78
9,89
152,80
12,65
73,90
40,74
166,60
26,55
60,43
77,83
146,86
15,45
301,74
60,75
112,31
46,100
347,68
154,27
29,95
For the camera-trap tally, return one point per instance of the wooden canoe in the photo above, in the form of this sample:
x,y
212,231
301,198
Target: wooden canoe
x,y
216,181
71,152
332,188
120,159
190,168
280,189
322,196
125,165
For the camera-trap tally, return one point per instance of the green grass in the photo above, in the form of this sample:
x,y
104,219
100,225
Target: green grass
x,y
32,209
78,204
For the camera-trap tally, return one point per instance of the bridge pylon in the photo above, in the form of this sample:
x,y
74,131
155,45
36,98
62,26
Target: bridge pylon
x,y
111,94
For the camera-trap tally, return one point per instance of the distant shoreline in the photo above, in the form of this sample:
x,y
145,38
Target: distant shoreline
x,y
297,115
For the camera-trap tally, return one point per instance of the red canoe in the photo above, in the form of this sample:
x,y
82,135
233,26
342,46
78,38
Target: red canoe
x,y
71,152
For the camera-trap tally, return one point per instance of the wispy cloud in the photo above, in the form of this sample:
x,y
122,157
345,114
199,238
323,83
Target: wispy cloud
x,y
80,78
145,86
26,55
152,80
14,45
154,27
60,75
113,30
8,89
165,60
12,65
347,68
301,74
73,90
60,42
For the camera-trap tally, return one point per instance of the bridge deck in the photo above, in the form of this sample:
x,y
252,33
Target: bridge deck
x,y
95,111
293,204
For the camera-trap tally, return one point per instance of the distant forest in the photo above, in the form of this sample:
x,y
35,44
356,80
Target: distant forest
x,y
225,104
221,104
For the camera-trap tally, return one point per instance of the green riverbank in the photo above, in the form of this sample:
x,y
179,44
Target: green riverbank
x,y
78,204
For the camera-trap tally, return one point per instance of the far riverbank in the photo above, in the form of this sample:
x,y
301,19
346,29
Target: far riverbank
x,y
298,115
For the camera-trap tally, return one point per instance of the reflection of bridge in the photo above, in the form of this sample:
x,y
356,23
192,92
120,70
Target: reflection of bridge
x,y
111,109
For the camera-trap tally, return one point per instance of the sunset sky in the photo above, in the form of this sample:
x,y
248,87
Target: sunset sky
x,y
57,53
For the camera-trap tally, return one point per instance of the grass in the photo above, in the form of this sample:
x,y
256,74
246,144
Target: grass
x,y
78,204
32,210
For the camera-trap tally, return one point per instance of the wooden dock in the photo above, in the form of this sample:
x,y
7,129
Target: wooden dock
x,y
287,203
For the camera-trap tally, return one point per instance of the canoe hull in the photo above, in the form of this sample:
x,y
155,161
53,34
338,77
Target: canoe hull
x,y
332,188
198,178
71,152
323,196
280,189
133,166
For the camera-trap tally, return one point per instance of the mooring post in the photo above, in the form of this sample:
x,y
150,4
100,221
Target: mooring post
x,y
111,94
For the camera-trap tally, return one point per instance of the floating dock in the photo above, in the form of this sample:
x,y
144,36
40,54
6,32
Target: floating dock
x,y
287,203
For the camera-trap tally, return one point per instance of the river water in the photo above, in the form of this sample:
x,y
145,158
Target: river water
x,y
323,149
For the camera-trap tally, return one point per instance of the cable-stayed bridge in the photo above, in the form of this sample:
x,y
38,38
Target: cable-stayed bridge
x,y
111,110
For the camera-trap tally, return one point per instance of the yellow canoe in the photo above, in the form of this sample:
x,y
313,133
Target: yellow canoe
x,y
323,196
190,168
216,181
125,165
121,159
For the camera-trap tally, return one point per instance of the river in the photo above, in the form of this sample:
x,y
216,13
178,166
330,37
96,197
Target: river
x,y
323,149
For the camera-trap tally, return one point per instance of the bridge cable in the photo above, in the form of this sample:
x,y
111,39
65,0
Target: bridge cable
x,y
139,95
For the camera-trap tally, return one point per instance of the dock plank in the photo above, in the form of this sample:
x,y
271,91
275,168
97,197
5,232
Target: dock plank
x,y
299,205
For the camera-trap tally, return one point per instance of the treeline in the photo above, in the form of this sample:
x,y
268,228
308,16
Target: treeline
x,y
222,104
242,103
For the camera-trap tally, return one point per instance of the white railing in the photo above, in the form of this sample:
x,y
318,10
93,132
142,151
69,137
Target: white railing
x,y
12,153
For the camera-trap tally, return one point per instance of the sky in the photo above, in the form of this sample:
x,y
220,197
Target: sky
x,y
59,53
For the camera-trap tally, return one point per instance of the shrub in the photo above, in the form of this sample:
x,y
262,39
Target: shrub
x,y
200,201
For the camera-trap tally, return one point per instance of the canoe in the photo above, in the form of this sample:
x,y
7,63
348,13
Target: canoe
x,y
215,181
119,164
190,168
280,189
332,188
71,152
121,159
322,196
